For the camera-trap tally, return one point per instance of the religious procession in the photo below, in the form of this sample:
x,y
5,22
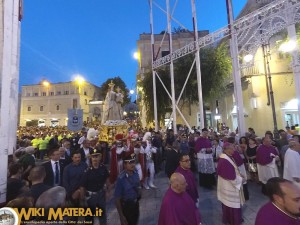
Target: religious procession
x,y
113,167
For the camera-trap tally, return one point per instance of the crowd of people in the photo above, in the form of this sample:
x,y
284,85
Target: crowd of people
x,y
90,172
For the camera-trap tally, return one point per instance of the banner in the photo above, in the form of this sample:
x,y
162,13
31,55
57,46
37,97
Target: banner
x,y
75,119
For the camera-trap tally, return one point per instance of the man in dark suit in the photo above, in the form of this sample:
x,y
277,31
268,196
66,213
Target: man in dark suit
x,y
54,167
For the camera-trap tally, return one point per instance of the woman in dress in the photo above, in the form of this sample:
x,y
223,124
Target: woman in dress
x,y
251,157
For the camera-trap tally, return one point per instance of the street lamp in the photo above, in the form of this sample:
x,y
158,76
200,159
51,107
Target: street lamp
x,y
80,81
288,46
248,58
46,84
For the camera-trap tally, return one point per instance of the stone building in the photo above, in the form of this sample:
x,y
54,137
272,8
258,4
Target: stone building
x,y
49,103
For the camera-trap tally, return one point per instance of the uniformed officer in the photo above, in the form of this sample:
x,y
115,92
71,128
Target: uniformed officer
x,y
93,186
128,192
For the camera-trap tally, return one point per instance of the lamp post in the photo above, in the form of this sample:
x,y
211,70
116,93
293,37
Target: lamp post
x,y
46,84
80,81
267,55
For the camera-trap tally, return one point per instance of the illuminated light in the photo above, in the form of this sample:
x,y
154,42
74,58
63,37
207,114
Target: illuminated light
x,y
288,46
79,79
136,55
217,117
248,58
131,92
46,83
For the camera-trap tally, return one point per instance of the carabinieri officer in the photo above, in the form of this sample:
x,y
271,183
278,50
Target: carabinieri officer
x,y
128,193
93,186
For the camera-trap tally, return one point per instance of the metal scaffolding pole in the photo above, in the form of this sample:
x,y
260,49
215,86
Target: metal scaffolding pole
x,y
198,65
236,71
153,71
169,18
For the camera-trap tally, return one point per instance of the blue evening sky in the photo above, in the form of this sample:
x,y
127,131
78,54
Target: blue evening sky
x,y
97,38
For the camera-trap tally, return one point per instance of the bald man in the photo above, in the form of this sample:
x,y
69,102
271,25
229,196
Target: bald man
x,y
177,207
284,207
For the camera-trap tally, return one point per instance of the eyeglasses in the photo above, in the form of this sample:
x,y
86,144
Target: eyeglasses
x,y
131,162
187,160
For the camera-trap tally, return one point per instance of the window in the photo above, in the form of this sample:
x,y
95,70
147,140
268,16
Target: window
x,y
41,108
75,103
29,108
85,101
51,93
57,107
85,93
27,94
66,92
44,94
58,93
36,94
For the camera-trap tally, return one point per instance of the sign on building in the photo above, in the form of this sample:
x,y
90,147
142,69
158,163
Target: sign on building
x,y
75,119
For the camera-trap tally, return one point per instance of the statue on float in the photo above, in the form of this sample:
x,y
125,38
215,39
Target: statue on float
x,y
112,108
112,117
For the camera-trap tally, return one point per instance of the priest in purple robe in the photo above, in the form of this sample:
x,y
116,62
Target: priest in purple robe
x,y
184,168
241,166
230,187
284,207
266,157
177,207
206,165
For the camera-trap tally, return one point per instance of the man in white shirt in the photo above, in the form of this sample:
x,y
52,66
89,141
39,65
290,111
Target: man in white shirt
x,y
82,138
292,163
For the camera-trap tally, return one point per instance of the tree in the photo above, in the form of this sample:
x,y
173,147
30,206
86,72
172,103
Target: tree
x,y
215,69
163,100
118,82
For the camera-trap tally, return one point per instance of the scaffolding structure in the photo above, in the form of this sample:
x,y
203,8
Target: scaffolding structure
x,y
246,35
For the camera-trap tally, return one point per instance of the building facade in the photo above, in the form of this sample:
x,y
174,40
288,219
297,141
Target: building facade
x,y
258,112
50,103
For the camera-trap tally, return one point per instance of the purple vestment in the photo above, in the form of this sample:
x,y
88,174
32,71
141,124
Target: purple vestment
x,y
178,209
237,158
225,169
263,156
191,189
230,215
202,142
269,214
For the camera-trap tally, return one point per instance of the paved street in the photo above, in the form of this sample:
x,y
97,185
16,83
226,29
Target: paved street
x,y
210,207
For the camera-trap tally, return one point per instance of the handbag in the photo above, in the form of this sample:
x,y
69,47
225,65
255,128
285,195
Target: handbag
x,y
252,167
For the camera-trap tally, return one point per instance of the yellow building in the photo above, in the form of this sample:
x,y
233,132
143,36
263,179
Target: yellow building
x,y
256,92
48,103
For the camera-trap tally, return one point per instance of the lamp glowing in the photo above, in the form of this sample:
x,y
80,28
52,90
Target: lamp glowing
x,y
136,55
248,58
288,46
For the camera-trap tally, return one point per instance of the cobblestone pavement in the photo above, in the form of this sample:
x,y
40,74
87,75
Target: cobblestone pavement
x,y
210,207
